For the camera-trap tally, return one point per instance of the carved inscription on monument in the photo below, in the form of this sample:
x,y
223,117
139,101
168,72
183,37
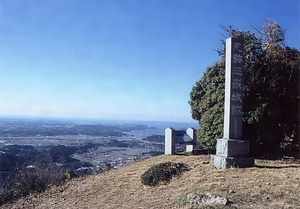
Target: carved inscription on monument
x,y
234,89
232,150
236,99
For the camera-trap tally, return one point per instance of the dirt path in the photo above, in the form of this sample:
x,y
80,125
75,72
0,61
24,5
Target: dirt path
x,y
271,185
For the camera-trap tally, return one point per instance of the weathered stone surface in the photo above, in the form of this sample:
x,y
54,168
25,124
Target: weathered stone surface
x,y
232,150
233,105
226,162
232,147
198,199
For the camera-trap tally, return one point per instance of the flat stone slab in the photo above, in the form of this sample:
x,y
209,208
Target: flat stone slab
x,y
182,138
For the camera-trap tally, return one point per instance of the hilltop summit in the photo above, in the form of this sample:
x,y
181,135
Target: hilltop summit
x,y
271,184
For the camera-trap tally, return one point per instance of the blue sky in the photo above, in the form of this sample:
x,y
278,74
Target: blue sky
x,y
118,59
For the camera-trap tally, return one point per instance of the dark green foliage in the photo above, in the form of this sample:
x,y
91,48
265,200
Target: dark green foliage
x,y
162,172
271,102
271,94
207,98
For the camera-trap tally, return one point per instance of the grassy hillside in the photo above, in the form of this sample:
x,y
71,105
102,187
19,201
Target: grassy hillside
x,y
271,184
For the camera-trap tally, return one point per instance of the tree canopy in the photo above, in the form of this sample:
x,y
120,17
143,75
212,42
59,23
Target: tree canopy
x,y
271,93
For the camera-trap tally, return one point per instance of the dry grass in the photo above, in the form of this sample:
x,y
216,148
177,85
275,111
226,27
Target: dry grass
x,y
270,184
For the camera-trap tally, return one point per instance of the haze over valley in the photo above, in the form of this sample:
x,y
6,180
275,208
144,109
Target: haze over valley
x,y
87,147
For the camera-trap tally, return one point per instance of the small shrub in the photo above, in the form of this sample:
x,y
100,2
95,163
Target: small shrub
x,y
162,172
35,180
62,178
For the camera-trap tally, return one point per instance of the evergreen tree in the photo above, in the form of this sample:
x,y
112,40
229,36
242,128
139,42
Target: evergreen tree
x,y
271,93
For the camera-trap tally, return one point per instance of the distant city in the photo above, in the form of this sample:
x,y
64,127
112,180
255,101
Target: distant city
x,y
85,146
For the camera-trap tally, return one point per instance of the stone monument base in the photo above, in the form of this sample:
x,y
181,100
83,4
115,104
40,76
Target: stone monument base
x,y
227,162
232,153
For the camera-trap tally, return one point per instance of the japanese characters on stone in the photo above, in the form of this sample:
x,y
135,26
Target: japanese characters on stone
x,y
237,79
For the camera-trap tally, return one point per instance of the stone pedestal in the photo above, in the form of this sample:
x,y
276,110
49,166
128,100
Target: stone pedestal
x,y
232,153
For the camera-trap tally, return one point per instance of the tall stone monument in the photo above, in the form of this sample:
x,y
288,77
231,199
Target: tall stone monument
x,y
232,150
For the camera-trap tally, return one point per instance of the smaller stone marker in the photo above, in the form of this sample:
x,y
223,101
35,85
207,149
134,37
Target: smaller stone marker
x,y
169,141
191,132
184,138
232,150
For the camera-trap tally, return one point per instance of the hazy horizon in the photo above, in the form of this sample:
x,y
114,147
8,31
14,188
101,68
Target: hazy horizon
x,y
92,120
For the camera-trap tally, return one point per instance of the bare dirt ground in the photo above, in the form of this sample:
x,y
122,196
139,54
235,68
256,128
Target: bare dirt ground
x,y
270,184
